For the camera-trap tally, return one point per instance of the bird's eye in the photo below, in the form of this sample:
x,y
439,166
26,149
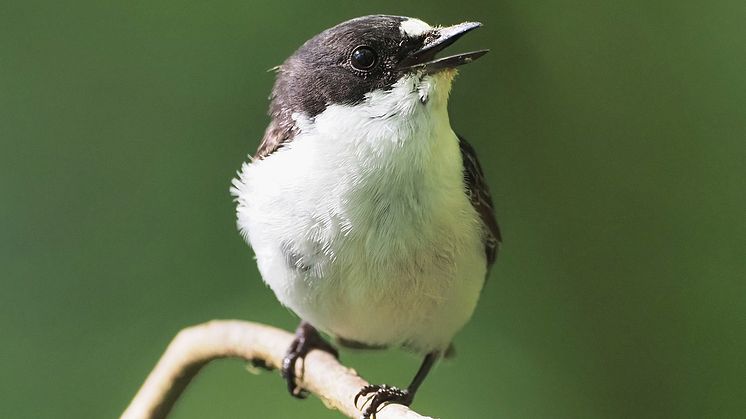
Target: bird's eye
x,y
363,58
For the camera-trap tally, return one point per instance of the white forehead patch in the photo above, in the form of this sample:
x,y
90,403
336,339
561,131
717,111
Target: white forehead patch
x,y
414,27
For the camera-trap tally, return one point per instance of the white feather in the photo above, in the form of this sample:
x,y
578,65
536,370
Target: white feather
x,y
361,224
414,27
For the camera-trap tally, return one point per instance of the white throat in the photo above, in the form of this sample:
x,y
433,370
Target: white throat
x,y
407,122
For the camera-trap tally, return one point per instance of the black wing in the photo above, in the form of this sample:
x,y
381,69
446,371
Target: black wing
x,y
279,132
281,129
479,195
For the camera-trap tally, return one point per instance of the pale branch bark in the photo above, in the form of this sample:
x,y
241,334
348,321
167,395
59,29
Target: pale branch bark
x,y
194,347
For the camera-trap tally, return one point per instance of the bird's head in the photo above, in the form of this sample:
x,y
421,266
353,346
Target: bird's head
x,y
367,58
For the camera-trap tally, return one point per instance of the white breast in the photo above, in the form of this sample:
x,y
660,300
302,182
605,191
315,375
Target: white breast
x,y
361,225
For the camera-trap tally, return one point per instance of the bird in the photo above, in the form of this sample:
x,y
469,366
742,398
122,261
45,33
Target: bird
x,y
369,217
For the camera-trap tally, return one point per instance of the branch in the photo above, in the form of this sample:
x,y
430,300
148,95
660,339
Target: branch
x,y
194,347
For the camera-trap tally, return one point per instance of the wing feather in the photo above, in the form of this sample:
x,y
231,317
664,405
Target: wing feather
x,y
481,199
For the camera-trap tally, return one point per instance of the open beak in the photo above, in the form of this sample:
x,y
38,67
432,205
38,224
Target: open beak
x,y
441,38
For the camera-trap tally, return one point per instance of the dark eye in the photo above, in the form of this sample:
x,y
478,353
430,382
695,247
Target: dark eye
x,y
363,58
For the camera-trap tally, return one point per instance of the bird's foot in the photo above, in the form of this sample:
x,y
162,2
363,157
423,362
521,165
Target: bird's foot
x,y
307,338
382,394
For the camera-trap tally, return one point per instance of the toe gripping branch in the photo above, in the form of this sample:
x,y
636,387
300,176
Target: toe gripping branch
x,y
307,338
380,395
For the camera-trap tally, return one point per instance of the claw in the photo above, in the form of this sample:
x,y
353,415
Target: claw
x,y
306,339
356,399
382,395
370,388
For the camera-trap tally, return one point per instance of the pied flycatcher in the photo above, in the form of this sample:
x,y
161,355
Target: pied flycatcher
x,y
370,218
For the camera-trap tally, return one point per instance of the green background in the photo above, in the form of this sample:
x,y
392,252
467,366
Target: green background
x,y
612,134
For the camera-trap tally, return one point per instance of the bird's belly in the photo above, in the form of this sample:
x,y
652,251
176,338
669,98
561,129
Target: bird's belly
x,y
400,282
419,299
382,254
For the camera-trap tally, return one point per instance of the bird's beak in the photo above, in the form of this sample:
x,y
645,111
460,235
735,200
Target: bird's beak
x,y
436,41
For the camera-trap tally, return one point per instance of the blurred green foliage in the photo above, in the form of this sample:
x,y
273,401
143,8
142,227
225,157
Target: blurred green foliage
x,y
612,134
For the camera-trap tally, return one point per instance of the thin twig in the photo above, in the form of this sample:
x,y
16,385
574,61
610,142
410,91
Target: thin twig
x,y
194,347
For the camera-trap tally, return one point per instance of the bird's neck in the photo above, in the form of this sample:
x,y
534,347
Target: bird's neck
x,y
405,128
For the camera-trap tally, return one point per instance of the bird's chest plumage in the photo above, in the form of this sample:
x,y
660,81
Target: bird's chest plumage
x,y
370,238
